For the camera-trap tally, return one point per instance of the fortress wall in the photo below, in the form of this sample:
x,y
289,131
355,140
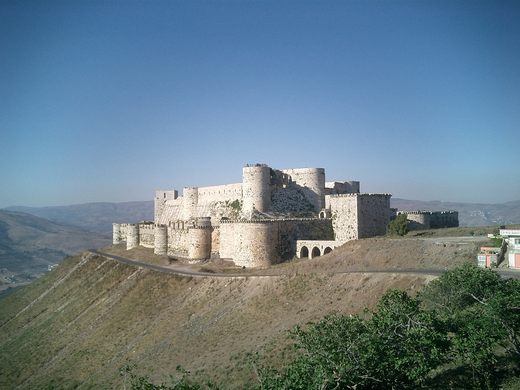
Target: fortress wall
x,y
147,235
260,243
418,220
313,182
343,187
229,192
215,241
178,242
161,197
199,239
442,219
344,216
256,188
160,240
116,233
171,211
249,244
132,236
357,216
290,199
373,214
190,199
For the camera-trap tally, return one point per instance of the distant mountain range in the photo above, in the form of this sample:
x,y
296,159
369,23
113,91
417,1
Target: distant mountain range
x,y
98,217
29,244
470,214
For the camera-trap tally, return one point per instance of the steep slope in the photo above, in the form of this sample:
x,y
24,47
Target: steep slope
x,y
28,244
91,316
97,217
82,322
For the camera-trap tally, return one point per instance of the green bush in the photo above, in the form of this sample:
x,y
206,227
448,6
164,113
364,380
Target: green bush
x,y
399,226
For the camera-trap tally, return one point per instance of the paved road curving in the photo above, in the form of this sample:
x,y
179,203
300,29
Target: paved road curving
x,y
158,268
504,273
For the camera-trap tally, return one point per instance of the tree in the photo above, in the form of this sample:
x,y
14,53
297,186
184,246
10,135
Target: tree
x,y
395,348
398,226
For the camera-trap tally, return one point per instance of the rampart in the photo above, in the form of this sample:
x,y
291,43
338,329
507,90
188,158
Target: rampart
x,y
312,182
357,216
256,188
419,220
260,243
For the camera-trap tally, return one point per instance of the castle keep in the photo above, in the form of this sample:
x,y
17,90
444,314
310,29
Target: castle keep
x,y
271,216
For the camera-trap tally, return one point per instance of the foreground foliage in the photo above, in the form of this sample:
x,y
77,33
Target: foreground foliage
x,y
398,226
461,331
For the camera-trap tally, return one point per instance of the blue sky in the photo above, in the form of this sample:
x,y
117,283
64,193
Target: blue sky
x,y
110,100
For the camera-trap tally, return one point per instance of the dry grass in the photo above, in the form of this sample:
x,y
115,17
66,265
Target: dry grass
x,y
83,321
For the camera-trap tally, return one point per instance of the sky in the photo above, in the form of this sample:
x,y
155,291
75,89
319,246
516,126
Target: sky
x,y
111,100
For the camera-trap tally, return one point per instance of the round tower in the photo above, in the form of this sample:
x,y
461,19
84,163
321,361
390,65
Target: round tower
x,y
256,188
312,182
116,233
132,236
418,220
190,199
160,240
199,243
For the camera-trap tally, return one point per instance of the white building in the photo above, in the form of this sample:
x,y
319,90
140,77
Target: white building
x,y
512,237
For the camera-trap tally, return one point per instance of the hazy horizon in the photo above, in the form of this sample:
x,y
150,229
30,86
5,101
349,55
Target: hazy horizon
x,y
109,101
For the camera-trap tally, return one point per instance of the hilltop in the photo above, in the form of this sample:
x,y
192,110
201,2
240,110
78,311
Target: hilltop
x,y
91,316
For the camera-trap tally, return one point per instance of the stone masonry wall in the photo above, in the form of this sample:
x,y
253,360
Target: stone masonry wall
x,y
357,216
178,242
147,235
228,192
344,216
262,243
373,214
312,183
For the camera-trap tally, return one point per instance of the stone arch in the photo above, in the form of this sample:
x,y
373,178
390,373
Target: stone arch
x,y
304,252
315,252
322,214
327,250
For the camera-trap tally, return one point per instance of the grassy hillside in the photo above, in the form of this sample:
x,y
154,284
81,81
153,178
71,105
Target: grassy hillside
x,y
89,317
28,244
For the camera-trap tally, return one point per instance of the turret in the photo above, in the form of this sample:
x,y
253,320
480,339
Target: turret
x,y
132,236
256,188
200,240
312,183
160,240
190,199
116,233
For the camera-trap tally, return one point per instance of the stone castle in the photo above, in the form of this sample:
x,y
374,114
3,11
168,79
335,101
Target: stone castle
x,y
271,216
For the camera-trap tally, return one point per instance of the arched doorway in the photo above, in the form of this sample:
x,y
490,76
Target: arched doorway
x,y
327,250
315,252
304,252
